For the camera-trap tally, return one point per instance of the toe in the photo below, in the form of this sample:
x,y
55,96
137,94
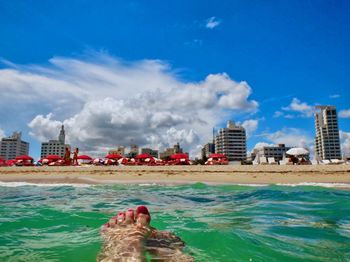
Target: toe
x,y
129,216
121,217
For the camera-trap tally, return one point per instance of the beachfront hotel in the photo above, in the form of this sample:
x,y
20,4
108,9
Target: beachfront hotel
x,y
55,147
277,152
13,146
327,143
232,142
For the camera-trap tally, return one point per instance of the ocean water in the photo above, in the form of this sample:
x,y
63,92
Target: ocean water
x,y
218,223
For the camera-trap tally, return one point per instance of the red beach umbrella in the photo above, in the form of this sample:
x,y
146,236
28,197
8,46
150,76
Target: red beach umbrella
x,y
179,156
10,162
217,156
2,162
113,156
84,157
53,157
144,156
24,157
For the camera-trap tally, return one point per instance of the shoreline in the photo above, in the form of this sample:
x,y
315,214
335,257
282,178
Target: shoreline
x,y
176,175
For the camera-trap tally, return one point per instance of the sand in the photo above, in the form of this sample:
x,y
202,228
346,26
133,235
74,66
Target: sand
x,y
268,174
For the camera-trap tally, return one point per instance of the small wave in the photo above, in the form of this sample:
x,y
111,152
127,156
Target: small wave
x,y
252,185
327,185
19,184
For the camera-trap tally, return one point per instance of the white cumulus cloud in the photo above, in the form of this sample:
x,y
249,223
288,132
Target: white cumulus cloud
x,y
292,137
212,22
344,113
2,133
300,109
104,102
345,142
250,126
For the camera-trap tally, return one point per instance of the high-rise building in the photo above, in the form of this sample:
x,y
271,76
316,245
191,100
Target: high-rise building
x,y
55,147
327,143
208,149
13,146
231,141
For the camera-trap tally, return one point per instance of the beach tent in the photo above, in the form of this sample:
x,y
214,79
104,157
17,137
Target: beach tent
x,y
113,156
179,159
24,160
179,156
10,162
216,156
143,156
217,159
297,151
84,157
53,158
2,162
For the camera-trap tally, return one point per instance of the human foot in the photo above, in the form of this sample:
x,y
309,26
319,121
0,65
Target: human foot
x,y
124,236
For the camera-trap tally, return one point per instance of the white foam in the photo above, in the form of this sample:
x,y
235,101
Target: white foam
x,y
327,185
19,184
252,185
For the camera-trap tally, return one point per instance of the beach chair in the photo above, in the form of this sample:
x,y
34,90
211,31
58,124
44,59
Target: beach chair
x,y
271,161
325,162
283,162
337,161
256,160
263,161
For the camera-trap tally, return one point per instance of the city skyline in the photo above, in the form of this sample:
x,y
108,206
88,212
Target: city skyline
x,y
162,73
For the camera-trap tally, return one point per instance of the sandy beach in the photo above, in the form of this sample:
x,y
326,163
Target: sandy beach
x,y
179,174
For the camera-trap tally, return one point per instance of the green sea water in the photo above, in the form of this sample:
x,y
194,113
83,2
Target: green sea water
x,y
218,223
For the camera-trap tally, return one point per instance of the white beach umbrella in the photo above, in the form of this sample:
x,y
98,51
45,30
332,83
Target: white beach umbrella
x,y
297,151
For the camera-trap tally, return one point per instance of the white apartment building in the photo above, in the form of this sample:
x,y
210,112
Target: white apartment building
x,y
13,146
55,147
327,143
231,141
277,152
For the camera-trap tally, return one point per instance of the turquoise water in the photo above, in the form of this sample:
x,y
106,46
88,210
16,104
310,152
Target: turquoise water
x,y
218,223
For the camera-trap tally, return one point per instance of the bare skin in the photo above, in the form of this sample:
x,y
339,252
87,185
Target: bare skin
x,y
129,235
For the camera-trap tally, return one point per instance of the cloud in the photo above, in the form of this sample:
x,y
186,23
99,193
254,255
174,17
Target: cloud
x,y
104,101
260,145
2,133
344,113
212,22
297,109
292,137
250,126
334,96
345,142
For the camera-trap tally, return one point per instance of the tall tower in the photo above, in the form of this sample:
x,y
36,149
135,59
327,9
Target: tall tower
x,y
327,143
231,141
62,136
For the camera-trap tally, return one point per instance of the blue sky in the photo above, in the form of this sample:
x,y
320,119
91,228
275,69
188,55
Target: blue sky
x,y
270,62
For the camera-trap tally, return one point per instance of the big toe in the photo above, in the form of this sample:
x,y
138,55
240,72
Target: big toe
x,y
143,220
